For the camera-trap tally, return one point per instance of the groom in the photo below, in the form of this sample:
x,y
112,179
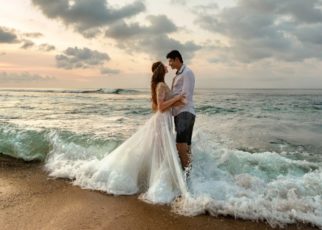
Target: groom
x,y
184,116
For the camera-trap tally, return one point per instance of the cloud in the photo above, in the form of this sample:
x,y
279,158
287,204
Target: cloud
x,y
23,77
8,35
300,11
152,39
87,16
27,44
46,47
13,36
158,25
288,30
80,58
91,17
109,71
179,2
205,9
159,46
33,35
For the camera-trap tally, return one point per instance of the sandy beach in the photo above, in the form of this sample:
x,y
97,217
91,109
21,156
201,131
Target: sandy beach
x,y
31,200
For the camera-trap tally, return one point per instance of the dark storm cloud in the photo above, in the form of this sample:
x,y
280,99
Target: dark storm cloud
x,y
8,35
287,30
152,39
87,16
80,58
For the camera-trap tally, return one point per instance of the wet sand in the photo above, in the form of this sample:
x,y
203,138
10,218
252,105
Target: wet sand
x,y
31,200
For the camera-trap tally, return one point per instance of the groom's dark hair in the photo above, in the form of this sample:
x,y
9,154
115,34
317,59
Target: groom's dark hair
x,y
175,54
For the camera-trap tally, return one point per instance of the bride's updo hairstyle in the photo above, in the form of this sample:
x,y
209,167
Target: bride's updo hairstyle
x,y
158,71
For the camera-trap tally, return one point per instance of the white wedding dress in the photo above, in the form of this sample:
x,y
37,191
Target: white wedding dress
x,y
147,163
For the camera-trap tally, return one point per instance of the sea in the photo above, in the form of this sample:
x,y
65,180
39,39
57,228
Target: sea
x,y
256,153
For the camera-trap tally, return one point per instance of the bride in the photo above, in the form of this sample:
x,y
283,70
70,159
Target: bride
x,y
147,163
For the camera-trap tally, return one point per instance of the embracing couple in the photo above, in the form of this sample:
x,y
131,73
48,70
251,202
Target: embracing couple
x,y
179,98
153,162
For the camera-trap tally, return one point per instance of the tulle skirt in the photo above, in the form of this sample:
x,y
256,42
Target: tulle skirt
x,y
147,164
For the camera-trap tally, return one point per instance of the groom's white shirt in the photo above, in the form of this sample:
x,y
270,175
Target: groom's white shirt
x,y
184,82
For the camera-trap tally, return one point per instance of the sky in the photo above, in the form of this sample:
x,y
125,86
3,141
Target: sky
x,y
113,43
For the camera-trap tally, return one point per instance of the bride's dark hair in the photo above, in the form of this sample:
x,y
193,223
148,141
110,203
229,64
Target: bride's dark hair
x,y
158,71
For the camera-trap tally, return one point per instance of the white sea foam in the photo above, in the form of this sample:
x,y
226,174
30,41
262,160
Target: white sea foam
x,y
257,186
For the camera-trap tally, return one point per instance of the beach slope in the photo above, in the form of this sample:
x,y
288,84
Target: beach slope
x,y
31,200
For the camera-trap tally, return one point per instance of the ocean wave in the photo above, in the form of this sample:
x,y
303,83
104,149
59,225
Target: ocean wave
x,y
79,91
35,144
23,144
109,91
209,109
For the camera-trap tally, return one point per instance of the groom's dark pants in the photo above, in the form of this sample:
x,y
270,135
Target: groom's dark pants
x,y
184,123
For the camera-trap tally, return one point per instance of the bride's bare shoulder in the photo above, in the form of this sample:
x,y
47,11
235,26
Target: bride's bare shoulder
x,y
162,85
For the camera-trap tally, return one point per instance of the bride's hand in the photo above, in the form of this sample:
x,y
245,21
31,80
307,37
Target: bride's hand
x,y
184,101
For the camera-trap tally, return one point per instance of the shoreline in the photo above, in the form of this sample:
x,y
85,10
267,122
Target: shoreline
x,y
31,200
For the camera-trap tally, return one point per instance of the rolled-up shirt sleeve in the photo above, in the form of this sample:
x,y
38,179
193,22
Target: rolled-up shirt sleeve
x,y
188,84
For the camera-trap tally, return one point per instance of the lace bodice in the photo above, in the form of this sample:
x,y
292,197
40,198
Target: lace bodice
x,y
163,92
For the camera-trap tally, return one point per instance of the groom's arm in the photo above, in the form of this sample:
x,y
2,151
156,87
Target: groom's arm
x,y
188,84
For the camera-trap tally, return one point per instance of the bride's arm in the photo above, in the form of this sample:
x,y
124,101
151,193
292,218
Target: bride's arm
x,y
163,104
178,103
